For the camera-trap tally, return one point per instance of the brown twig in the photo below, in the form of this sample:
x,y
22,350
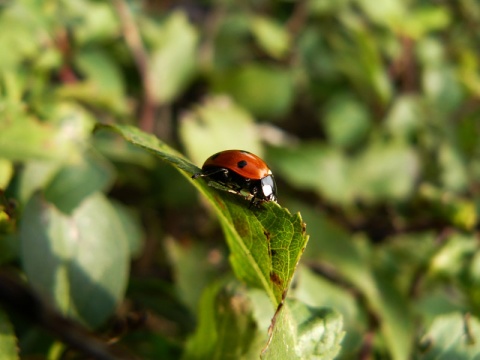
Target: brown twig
x,y
140,56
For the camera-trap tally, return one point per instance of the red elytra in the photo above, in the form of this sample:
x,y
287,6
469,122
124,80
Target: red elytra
x,y
241,170
242,162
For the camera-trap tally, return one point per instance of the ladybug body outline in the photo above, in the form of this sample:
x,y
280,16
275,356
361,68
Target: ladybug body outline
x,y
241,170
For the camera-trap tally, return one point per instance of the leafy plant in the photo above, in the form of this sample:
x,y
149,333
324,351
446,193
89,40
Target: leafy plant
x,y
366,112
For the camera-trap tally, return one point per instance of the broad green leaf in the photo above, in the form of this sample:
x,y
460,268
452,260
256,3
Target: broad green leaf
x,y
77,179
8,340
314,166
454,172
21,31
452,258
385,170
316,291
94,21
304,332
360,59
266,91
423,20
389,12
323,7
458,211
452,336
346,121
227,328
265,243
6,172
405,117
23,138
272,37
80,261
192,269
216,125
173,59
103,84
131,227
353,257
442,88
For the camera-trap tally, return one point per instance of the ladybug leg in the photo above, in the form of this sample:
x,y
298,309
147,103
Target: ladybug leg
x,y
211,172
253,202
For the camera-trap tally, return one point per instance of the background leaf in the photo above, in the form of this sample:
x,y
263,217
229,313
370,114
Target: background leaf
x,y
79,260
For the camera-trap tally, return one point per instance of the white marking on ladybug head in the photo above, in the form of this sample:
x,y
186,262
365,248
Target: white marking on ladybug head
x,y
267,190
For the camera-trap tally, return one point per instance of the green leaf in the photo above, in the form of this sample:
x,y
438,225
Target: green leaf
x,y
304,332
454,172
452,336
131,226
216,125
346,120
192,270
272,37
450,261
94,21
103,85
6,173
82,176
405,117
354,259
424,20
315,291
8,340
227,327
388,12
80,261
23,138
265,243
254,86
385,170
314,166
458,211
173,60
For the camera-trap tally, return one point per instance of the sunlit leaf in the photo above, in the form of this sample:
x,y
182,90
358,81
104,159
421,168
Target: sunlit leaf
x,y
173,60
303,332
6,172
346,121
103,83
266,91
452,336
77,179
272,37
218,124
8,340
80,261
227,328
265,243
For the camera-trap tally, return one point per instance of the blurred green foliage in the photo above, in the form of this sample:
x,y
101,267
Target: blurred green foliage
x,y
368,113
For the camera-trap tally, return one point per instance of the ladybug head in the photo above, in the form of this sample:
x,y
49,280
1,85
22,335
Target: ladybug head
x,y
268,189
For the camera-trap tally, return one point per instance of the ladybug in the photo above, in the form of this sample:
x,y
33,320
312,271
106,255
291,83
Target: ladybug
x,y
241,170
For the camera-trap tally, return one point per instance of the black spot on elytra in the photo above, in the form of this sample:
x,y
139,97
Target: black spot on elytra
x,y
241,164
